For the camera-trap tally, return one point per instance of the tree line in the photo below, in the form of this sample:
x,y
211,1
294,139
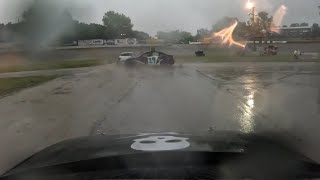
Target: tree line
x,y
42,25
260,28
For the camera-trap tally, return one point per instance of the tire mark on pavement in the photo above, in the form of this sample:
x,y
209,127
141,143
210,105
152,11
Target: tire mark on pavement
x,y
286,76
207,76
97,125
127,92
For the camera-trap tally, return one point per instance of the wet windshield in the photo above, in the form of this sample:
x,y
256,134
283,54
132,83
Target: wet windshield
x,y
78,68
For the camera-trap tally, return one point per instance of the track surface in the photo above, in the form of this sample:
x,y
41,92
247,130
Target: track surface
x,y
247,97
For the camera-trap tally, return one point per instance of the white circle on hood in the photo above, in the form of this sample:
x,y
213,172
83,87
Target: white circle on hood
x,y
160,143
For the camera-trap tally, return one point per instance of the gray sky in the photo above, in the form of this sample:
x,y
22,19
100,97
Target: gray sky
x,y
154,15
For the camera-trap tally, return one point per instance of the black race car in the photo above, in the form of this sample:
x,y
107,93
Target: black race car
x,y
208,155
151,58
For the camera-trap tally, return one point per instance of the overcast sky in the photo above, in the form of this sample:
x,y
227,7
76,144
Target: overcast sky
x,y
154,15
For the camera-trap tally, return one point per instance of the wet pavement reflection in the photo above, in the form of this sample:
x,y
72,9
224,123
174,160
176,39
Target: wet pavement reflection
x,y
280,97
246,120
246,97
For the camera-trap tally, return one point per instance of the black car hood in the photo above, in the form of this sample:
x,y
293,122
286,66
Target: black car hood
x,y
95,147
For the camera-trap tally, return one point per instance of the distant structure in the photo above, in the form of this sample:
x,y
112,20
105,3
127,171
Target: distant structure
x,y
102,42
296,31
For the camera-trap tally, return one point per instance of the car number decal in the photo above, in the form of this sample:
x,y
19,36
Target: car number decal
x,y
160,143
154,60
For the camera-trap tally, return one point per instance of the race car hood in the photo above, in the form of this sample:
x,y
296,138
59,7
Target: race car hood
x,y
95,147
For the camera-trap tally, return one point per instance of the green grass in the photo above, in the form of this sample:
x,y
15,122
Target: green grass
x,y
75,64
52,65
223,57
9,85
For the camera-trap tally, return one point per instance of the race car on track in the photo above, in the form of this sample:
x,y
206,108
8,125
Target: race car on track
x,y
205,155
152,58
124,56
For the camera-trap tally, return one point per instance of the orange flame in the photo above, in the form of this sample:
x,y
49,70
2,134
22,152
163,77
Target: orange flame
x,y
226,36
278,18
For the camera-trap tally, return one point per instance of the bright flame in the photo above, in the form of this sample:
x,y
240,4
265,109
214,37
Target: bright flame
x,y
249,4
278,18
226,36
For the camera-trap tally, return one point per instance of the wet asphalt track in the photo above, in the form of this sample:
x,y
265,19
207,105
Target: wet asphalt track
x,y
246,97
239,96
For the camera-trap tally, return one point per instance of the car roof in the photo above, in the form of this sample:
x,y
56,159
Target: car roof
x,y
154,51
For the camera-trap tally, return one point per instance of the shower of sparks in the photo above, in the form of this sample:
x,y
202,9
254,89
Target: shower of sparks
x,y
278,18
226,36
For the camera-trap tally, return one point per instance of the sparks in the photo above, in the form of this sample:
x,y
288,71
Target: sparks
x,y
226,36
278,18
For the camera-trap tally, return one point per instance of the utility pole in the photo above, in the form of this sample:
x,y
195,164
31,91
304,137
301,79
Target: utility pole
x,y
251,7
253,14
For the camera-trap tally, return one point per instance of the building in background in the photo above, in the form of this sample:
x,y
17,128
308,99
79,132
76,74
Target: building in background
x,y
301,31
91,42
127,41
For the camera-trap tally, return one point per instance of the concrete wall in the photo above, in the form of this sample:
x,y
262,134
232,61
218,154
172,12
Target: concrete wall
x,y
91,42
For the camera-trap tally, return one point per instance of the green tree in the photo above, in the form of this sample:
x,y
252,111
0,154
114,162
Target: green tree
x,y
242,30
117,25
315,30
169,37
70,34
201,34
185,37
261,26
304,24
175,37
295,25
8,32
223,23
89,31
141,35
265,22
